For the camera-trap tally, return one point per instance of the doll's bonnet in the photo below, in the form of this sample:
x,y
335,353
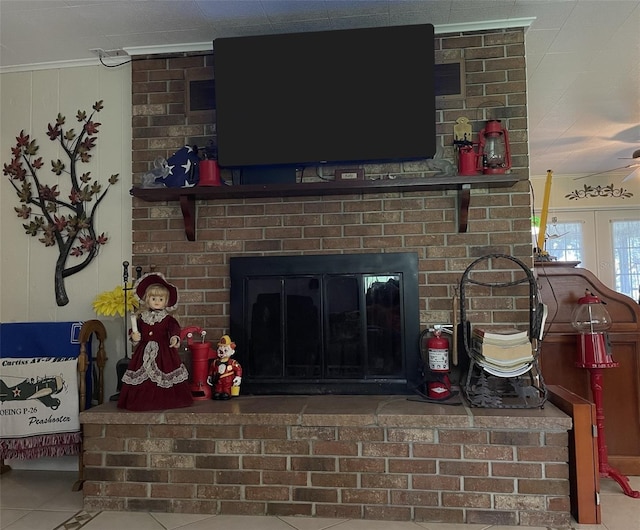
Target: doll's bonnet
x,y
157,278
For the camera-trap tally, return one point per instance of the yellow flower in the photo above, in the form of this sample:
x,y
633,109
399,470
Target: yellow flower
x,y
111,303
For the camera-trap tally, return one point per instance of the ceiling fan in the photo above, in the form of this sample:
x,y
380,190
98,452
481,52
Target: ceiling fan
x,y
635,165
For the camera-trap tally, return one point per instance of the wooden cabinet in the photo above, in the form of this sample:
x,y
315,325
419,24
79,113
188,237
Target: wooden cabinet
x,y
560,287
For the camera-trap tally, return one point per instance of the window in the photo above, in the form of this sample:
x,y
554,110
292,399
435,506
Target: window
x,y
606,242
564,240
625,239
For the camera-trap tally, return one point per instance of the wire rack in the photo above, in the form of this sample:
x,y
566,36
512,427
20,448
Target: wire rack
x,y
485,389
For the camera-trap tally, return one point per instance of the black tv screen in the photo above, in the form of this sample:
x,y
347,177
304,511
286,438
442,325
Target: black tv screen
x,y
362,95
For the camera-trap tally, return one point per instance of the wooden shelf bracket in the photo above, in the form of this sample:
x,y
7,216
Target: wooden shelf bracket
x,y
464,198
188,207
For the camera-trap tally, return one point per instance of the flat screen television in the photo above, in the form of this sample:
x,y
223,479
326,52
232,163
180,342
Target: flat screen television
x,y
329,97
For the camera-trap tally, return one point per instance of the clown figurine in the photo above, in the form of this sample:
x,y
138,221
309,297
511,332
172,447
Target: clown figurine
x,y
225,374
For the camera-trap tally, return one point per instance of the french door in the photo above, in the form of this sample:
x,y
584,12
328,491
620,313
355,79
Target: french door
x,y
606,242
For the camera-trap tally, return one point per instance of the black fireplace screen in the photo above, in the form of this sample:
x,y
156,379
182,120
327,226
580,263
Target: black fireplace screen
x,y
326,324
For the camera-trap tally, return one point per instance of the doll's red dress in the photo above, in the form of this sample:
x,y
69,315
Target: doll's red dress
x,y
156,378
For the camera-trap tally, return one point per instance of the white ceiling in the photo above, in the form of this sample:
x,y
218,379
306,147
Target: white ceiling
x,y
583,56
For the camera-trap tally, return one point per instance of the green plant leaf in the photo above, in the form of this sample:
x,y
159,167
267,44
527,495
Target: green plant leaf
x,y
57,167
31,149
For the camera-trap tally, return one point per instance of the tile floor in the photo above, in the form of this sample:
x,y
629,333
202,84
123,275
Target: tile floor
x,y
43,500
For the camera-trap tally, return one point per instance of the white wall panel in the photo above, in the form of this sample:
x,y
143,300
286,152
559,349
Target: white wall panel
x,y
30,101
15,112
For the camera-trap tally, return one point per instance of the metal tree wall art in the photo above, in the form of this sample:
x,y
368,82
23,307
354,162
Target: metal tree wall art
x,y
65,222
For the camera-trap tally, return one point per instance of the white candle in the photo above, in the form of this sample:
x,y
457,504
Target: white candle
x,y
134,324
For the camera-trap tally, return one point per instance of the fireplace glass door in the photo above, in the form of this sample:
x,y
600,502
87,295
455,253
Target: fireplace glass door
x,y
316,332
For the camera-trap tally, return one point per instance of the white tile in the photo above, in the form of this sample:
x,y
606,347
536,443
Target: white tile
x,y
8,516
122,520
40,520
34,489
619,512
170,521
63,500
312,523
377,525
238,522
609,486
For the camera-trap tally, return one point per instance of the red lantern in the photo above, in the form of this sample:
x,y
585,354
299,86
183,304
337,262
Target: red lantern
x,y
494,148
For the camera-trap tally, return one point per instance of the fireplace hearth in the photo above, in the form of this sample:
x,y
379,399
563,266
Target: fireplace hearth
x,y
326,324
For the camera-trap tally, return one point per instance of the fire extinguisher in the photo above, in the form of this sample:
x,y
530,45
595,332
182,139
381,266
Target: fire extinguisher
x,y
436,359
201,353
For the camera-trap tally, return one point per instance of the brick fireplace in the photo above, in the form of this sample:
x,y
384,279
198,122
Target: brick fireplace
x,y
376,457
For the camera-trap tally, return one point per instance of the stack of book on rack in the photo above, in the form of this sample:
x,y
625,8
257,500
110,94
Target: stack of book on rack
x,y
502,351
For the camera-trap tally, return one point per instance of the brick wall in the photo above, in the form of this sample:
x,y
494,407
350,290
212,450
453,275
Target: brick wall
x,y
332,456
457,466
425,222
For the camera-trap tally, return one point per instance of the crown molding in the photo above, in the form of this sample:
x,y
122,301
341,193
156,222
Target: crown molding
x,y
49,66
439,29
484,25
74,63
170,48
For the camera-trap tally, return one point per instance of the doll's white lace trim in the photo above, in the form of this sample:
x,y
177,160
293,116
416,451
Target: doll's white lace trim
x,y
153,317
150,370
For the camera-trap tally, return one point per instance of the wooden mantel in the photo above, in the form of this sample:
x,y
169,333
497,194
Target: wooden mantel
x,y
188,196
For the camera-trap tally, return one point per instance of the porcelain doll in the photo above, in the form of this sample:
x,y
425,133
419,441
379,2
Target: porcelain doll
x,y
156,378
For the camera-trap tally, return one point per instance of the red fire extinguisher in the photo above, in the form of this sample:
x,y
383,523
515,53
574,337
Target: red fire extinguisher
x,y
201,353
437,359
